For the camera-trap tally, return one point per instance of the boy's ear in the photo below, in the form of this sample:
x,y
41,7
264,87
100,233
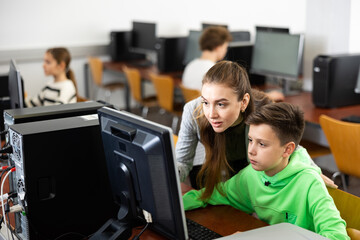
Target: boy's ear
x,y
289,149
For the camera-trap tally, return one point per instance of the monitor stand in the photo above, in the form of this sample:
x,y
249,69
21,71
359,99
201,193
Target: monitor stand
x,y
113,229
286,88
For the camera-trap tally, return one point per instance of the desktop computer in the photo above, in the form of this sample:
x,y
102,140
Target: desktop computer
x,y
24,115
335,80
61,178
120,44
170,53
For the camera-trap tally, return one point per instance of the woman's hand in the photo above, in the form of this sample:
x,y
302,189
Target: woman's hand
x,y
328,182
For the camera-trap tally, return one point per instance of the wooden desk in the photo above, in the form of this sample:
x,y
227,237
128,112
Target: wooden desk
x,y
224,220
312,113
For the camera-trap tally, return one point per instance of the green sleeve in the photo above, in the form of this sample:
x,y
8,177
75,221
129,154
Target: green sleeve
x,y
326,217
235,194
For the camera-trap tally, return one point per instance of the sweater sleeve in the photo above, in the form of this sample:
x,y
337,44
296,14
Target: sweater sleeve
x,y
235,194
67,93
187,141
327,219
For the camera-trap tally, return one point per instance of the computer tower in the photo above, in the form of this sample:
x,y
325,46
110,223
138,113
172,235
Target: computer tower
x,y
61,178
4,98
120,45
334,80
242,54
23,115
170,53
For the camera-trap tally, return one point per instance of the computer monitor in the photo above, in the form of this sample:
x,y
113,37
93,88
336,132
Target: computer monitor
x,y
192,50
272,29
205,25
144,36
143,174
16,90
278,55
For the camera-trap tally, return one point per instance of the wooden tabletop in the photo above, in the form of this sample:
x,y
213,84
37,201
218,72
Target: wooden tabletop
x,y
144,71
224,220
312,113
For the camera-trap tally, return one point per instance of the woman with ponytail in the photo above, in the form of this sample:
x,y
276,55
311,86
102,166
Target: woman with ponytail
x,y
216,122
62,89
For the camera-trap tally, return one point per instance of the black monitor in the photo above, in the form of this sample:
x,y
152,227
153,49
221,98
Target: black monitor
x,y
16,87
205,25
192,50
143,175
144,36
278,55
272,29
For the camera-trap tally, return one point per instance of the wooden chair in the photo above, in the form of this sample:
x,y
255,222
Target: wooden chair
x,y
164,87
96,69
81,99
349,208
344,141
134,82
188,93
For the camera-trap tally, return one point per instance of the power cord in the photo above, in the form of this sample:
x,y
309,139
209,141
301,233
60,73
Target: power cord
x,y
138,236
7,149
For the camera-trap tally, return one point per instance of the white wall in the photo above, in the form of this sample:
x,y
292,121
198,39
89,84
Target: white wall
x,y
39,24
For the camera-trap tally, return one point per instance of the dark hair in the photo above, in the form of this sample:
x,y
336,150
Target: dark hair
x,y
285,119
61,54
234,76
260,98
212,37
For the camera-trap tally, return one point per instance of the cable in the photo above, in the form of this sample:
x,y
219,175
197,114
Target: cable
x,y
6,149
138,236
9,225
2,191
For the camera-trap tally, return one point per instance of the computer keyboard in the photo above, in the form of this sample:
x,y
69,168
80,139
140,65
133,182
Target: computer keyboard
x,y
198,232
352,118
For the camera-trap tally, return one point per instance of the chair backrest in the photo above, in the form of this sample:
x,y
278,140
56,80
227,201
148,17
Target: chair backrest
x,y
164,87
96,69
134,80
348,206
344,141
189,94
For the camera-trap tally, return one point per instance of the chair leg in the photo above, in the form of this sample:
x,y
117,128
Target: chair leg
x,y
144,111
343,182
335,175
174,124
107,96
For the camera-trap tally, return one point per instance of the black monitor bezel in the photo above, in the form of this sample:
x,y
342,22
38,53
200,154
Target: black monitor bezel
x,y
277,74
109,118
16,89
147,38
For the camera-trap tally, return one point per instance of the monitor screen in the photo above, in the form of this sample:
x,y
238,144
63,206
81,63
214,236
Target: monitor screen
x,y
277,54
192,50
144,35
143,173
16,91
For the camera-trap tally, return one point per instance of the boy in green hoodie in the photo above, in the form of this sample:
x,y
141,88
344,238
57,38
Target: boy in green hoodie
x,y
274,186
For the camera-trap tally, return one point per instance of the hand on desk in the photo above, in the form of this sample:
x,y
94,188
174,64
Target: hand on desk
x,y
276,96
328,182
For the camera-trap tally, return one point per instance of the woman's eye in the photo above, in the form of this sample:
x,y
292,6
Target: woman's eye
x,y
204,103
250,140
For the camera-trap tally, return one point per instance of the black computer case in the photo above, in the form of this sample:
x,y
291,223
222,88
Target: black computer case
x,y
170,53
61,173
334,80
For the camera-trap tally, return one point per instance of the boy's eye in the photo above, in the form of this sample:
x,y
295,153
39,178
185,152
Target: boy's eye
x,y
262,144
250,140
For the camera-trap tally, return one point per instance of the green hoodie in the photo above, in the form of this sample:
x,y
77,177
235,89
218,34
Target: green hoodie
x,y
296,195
